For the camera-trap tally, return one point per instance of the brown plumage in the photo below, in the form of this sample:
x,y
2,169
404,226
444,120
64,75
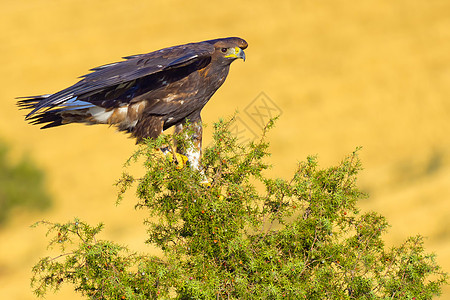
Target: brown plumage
x,y
144,94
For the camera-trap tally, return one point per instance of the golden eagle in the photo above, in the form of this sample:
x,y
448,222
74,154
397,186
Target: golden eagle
x,y
144,94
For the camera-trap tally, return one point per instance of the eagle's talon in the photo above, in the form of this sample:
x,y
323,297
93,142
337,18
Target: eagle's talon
x,y
180,160
206,183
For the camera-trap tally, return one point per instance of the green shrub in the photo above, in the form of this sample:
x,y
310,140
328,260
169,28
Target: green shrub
x,y
242,235
21,186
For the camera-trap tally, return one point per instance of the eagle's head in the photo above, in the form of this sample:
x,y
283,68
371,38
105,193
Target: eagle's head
x,y
229,49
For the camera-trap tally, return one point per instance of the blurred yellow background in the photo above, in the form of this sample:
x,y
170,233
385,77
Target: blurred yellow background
x,y
344,74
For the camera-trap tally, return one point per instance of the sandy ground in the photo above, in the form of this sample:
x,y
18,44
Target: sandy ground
x,y
344,74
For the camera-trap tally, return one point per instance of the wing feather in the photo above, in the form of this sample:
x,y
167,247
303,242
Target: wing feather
x,y
108,77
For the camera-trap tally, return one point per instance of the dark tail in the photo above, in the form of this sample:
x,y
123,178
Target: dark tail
x,y
31,102
52,117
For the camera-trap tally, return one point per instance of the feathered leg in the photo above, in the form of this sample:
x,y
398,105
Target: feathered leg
x,y
193,152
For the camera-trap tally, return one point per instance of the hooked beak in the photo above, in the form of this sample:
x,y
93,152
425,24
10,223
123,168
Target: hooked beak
x,y
240,53
237,53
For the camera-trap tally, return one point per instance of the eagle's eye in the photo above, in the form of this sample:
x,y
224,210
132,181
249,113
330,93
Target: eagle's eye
x,y
224,50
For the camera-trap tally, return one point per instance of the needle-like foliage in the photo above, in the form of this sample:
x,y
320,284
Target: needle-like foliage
x,y
233,232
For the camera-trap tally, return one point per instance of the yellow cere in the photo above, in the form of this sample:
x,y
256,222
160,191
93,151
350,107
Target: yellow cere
x,y
233,53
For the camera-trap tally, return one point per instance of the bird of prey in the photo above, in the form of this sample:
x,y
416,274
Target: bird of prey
x,y
144,94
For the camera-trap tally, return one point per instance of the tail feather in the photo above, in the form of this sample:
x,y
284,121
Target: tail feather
x,y
52,119
52,115
31,102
